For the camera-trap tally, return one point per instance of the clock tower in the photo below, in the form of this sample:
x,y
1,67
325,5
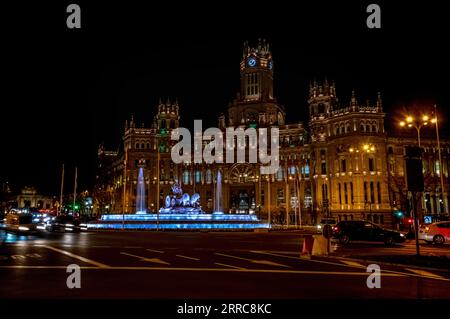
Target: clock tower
x,y
255,103
257,72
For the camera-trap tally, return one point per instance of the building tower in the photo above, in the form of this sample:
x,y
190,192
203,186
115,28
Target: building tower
x,y
255,103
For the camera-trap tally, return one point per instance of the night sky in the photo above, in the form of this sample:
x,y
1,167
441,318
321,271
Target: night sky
x,y
65,91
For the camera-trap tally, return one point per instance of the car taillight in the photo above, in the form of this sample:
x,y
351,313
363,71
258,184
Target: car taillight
x,y
335,228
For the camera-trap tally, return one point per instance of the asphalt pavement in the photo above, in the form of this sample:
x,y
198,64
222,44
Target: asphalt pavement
x,y
177,265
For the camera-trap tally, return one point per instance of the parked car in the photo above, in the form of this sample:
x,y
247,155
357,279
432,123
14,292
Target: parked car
x,y
346,231
438,233
63,223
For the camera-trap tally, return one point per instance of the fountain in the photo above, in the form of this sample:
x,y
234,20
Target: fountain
x,y
140,193
180,212
218,195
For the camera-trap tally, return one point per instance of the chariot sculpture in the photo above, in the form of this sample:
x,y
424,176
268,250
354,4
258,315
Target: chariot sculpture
x,y
181,203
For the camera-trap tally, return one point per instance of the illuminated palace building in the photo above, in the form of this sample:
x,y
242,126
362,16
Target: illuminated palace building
x,y
342,163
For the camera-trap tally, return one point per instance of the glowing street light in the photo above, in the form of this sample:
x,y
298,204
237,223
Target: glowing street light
x,y
412,122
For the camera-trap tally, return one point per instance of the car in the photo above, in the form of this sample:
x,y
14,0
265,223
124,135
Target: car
x,y
437,233
63,223
323,222
20,223
346,231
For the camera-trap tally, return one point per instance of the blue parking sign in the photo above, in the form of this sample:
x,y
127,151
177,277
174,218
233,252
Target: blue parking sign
x,y
427,219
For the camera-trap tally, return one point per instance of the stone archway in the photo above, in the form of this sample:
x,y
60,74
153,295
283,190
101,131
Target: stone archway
x,y
242,188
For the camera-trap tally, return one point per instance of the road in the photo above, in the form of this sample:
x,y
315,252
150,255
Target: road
x,y
180,265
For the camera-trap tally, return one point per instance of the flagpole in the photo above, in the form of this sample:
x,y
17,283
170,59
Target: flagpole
x,y
75,189
62,189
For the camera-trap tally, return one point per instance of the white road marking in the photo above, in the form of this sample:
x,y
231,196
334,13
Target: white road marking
x,y
156,251
187,257
86,260
225,265
230,269
385,272
152,260
353,263
263,262
423,273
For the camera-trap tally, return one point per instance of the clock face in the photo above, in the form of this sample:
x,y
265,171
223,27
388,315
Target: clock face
x,y
251,62
270,65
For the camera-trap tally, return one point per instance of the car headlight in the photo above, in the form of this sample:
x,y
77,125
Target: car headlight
x,y
402,235
69,225
23,228
319,227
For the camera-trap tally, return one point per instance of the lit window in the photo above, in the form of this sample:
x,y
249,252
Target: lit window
x,y
186,177
438,169
208,176
198,176
280,174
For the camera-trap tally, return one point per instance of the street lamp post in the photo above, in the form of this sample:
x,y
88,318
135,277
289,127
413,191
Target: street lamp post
x,y
411,122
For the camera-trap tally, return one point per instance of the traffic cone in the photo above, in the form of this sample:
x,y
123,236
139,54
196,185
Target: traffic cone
x,y
308,243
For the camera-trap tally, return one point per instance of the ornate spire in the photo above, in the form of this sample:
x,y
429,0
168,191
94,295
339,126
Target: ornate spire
x,y
379,101
353,102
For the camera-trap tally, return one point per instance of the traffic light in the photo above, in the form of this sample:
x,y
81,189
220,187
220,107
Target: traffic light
x,y
410,220
399,214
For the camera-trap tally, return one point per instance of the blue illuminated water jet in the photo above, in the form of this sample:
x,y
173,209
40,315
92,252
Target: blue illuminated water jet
x,y
218,197
140,194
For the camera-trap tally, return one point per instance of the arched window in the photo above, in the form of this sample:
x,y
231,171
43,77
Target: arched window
x,y
208,176
280,174
342,129
362,127
172,123
347,127
336,130
148,145
198,176
137,145
142,146
292,170
163,123
305,170
374,128
186,177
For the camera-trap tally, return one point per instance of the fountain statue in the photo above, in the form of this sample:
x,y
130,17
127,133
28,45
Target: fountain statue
x,y
181,203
